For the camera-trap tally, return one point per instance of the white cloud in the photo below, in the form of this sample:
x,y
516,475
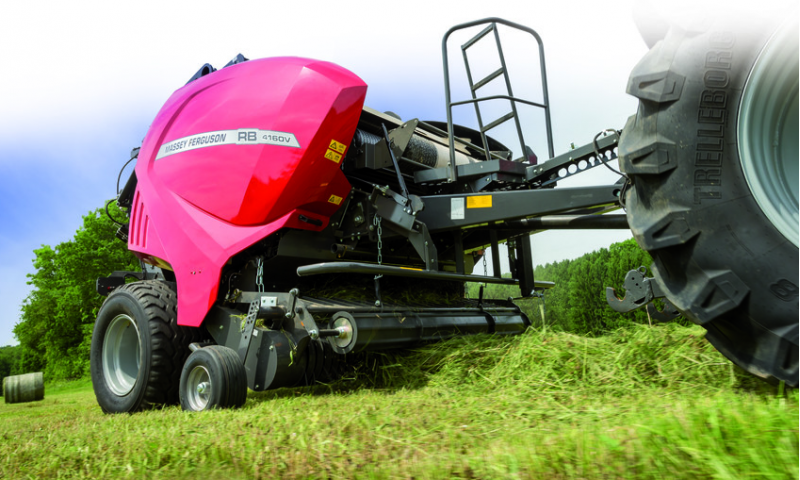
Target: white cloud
x,y
90,58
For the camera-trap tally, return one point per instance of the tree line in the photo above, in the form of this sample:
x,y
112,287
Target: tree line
x,y
57,317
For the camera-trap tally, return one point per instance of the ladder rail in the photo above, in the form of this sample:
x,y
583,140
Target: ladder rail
x,y
453,175
510,93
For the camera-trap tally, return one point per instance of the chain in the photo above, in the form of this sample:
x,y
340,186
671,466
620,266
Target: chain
x,y
260,274
376,220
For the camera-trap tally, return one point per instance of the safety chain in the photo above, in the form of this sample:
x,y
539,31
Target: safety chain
x,y
376,220
260,274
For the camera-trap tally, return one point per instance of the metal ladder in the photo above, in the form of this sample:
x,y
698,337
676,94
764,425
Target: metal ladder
x,y
475,86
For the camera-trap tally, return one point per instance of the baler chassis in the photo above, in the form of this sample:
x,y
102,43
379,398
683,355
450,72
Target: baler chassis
x,y
364,202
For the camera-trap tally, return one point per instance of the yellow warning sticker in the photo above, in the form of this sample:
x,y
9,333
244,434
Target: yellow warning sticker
x,y
480,201
337,147
333,156
335,199
411,268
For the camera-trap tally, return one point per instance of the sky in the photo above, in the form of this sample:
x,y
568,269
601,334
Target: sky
x,y
83,80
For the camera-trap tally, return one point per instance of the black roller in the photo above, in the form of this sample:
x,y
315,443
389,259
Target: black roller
x,y
421,151
362,138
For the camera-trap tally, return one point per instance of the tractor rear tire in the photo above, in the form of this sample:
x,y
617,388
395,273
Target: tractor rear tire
x,y
213,377
722,258
138,349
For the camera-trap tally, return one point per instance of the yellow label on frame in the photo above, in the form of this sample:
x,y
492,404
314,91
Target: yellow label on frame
x,y
333,156
481,201
335,199
337,147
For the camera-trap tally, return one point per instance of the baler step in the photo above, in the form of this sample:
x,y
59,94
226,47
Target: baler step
x,y
477,37
489,78
372,269
499,121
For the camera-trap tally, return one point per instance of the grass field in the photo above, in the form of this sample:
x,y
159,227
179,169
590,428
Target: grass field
x,y
641,403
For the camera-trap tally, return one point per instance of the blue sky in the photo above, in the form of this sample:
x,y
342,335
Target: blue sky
x,y
83,80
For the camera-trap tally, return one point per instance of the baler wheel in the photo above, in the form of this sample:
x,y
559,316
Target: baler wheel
x,y
712,154
138,348
213,377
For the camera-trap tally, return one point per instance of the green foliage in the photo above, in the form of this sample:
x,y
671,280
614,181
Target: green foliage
x,y
9,361
55,327
577,303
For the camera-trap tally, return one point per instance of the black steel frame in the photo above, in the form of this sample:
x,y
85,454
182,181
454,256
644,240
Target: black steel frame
x,y
492,21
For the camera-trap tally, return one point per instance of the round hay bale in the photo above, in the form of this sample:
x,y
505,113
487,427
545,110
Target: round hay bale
x,y
23,388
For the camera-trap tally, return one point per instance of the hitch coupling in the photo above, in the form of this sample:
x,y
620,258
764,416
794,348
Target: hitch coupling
x,y
640,291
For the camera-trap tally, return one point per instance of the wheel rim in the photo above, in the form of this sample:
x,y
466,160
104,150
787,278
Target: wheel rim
x,y
768,131
198,388
121,359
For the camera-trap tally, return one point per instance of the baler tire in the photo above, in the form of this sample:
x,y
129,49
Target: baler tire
x,y
142,367
224,377
718,257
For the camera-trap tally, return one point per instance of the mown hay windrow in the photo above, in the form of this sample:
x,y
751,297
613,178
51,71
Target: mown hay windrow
x,y
634,357
640,357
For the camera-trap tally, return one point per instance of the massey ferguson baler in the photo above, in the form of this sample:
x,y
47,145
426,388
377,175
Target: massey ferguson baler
x,y
285,225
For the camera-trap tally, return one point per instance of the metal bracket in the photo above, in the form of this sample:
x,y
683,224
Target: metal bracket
x,y
247,332
293,294
399,137
639,291
306,321
422,242
668,314
402,219
390,145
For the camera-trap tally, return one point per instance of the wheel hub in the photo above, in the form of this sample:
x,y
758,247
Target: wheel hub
x,y
768,131
121,355
198,388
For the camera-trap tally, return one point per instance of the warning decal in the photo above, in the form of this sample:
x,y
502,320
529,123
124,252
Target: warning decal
x,y
333,156
335,199
480,201
337,147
